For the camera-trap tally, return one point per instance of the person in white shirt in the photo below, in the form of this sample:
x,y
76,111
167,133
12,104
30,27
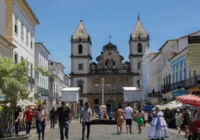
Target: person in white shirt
x,y
179,121
128,117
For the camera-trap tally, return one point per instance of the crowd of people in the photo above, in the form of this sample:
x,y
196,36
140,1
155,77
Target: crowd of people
x,y
158,126
40,116
62,114
184,119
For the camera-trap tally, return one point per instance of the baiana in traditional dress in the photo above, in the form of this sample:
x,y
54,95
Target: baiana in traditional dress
x,y
158,128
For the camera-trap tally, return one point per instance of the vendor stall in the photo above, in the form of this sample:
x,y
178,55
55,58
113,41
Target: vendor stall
x,y
132,94
71,95
173,105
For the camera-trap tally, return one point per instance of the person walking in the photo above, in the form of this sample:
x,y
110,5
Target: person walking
x,y
52,117
85,119
145,118
28,117
120,119
179,121
41,121
187,120
128,116
140,120
158,128
64,118
18,114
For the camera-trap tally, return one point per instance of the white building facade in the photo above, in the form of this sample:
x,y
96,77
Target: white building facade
x,y
56,82
41,61
168,50
18,26
170,72
155,78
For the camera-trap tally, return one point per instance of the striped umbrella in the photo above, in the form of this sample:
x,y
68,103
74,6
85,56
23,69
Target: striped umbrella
x,y
189,99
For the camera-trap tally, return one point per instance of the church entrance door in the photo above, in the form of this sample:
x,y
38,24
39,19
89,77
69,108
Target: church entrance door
x,y
110,106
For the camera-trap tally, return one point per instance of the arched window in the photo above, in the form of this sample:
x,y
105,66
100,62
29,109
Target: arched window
x,y
80,85
139,47
80,49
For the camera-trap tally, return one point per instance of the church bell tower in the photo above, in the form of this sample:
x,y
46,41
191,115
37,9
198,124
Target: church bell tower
x,y
139,44
80,57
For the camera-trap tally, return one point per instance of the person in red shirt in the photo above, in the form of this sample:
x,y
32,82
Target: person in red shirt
x,y
28,117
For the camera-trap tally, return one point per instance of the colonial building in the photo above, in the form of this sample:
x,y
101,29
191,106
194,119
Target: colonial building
x,y
6,48
109,66
66,80
41,60
18,26
175,70
56,82
183,72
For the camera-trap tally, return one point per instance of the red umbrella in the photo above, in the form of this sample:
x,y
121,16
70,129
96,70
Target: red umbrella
x,y
189,99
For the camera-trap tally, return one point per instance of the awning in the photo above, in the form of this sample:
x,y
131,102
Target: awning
x,y
179,93
25,103
172,105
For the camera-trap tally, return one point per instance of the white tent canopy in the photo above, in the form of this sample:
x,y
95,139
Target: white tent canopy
x,y
25,103
132,94
173,105
70,94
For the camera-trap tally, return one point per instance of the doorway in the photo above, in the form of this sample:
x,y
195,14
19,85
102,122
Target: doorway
x,y
110,106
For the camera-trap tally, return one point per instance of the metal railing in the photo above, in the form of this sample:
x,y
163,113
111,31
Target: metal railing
x,y
187,83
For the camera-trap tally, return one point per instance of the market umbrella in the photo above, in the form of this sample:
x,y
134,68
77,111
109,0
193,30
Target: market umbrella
x,y
189,99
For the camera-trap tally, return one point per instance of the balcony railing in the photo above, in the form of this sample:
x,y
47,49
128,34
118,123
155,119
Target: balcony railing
x,y
166,88
150,95
157,94
110,71
188,83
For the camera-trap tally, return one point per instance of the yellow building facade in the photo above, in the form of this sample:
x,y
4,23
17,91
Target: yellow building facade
x,y
193,60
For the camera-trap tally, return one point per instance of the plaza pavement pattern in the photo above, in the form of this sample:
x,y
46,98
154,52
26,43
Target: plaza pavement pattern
x,y
103,132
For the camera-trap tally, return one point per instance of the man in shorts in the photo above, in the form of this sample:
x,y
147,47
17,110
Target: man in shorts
x,y
128,117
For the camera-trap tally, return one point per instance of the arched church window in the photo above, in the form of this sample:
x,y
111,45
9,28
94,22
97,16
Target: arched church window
x,y
106,63
113,63
139,47
109,53
80,49
80,85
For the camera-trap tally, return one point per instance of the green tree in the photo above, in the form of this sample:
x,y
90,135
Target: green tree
x,y
13,84
13,79
43,71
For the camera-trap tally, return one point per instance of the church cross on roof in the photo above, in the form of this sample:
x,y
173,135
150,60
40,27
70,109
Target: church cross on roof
x,y
139,30
80,31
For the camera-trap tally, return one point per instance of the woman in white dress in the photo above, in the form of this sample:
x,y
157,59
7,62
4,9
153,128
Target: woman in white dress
x,y
158,128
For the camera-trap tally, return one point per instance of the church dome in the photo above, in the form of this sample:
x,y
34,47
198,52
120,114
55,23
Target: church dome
x,y
109,46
